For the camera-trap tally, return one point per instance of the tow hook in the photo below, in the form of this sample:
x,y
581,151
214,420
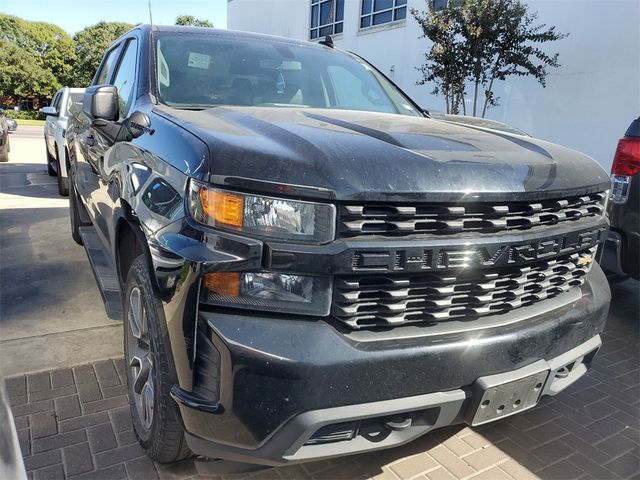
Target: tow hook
x,y
397,424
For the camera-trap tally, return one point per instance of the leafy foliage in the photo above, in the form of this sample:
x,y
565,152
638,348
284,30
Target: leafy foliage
x,y
24,114
23,74
37,57
476,42
192,21
90,45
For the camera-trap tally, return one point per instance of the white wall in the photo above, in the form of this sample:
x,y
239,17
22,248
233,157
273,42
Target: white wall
x,y
587,105
591,99
287,18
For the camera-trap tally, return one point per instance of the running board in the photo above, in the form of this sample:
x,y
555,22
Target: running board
x,y
105,272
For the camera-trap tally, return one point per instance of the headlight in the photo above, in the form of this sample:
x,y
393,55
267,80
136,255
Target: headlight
x,y
259,215
271,292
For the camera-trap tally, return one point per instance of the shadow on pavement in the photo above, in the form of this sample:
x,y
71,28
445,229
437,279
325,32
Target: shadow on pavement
x,y
28,180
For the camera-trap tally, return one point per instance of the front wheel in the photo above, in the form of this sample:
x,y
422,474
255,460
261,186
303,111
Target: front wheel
x,y
146,359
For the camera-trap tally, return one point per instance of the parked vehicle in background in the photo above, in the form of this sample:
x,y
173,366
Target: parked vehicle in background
x,y
621,254
55,129
477,122
4,138
12,124
307,265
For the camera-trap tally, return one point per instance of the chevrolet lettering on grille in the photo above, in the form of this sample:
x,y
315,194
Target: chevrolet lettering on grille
x,y
493,255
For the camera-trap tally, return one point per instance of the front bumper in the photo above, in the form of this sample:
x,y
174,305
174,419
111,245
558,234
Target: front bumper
x,y
279,381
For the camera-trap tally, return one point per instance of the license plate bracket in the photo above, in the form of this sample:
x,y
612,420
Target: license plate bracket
x,y
501,395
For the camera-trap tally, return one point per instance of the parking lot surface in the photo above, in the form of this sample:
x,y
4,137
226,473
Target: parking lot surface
x,y
67,386
51,313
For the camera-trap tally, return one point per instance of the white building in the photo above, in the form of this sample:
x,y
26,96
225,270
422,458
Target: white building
x,y
588,102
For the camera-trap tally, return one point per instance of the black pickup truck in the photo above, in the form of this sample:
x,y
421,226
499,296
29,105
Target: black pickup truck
x,y
307,265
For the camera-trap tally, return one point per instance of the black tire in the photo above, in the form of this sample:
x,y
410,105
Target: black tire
x,y
74,213
50,160
146,354
63,182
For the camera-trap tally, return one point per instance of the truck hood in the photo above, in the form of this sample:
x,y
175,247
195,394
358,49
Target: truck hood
x,y
375,156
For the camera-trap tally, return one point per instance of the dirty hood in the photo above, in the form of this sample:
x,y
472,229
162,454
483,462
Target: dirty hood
x,y
376,156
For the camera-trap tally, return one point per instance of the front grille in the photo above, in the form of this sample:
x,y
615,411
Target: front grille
x,y
362,301
397,220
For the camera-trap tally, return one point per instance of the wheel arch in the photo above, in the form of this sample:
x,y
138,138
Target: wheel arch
x,y
129,242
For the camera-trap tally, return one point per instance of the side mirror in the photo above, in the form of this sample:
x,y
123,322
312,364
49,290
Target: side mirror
x,y
49,111
101,102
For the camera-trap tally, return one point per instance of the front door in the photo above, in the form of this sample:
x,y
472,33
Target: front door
x,y
105,193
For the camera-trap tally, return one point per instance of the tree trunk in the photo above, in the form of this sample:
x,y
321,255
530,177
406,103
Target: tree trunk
x,y
486,96
475,94
464,105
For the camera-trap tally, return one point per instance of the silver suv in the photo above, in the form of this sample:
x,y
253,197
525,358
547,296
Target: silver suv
x,y
55,129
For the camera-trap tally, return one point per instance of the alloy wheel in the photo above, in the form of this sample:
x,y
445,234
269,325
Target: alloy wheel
x,y
141,359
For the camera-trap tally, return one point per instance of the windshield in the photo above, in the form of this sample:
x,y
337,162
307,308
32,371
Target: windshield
x,y
201,71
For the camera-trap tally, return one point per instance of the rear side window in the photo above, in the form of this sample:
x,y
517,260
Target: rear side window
x,y
107,67
126,77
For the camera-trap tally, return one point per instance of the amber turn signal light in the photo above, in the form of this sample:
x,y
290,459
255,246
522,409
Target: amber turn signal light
x,y
223,207
223,283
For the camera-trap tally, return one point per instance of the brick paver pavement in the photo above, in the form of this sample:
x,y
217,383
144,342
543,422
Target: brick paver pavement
x,y
75,423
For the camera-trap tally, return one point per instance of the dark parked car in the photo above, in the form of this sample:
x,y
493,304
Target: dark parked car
x,y
621,253
5,147
309,266
12,124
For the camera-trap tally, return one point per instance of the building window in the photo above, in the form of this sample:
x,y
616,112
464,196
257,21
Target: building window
x,y
377,12
439,5
327,17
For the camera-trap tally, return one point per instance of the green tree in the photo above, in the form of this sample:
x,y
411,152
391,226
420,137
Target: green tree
x,y
192,21
22,75
45,44
90,45
476,42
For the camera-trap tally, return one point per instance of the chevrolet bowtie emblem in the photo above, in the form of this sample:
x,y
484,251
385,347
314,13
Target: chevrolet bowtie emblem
x,y
586,260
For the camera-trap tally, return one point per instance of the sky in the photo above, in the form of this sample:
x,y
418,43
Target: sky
x,y
74,15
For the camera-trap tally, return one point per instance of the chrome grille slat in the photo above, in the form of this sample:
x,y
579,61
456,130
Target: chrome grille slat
x,y
398,220
390,300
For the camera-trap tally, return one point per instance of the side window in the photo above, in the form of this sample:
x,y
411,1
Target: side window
x,y
352,93
107,67
55,103
126,77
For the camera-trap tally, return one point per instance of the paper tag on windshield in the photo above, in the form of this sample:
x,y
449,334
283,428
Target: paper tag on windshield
x,y
199,60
